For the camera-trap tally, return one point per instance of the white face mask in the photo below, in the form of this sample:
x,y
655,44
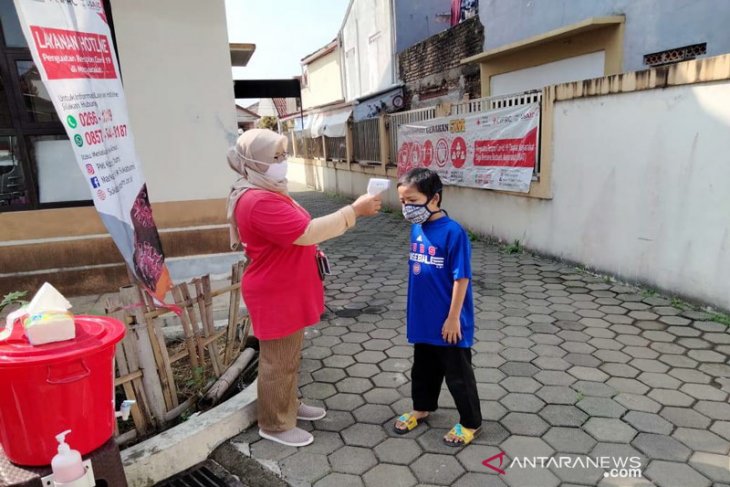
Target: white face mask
x,y
277,171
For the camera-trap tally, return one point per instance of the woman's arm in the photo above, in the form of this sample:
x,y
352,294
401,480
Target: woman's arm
x,y
337,223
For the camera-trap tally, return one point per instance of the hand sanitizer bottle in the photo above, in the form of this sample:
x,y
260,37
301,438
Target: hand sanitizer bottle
x,y
67,465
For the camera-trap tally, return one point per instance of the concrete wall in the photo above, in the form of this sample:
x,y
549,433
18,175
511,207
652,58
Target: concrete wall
x,y
638,184
651,25
417,20
325,81
176,68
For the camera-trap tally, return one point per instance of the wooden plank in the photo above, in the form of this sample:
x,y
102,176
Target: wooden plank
x,y
163,359
127,378
187,329
205,341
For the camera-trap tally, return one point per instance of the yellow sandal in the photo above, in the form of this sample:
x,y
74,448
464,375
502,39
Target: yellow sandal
x,y
463,435
410,422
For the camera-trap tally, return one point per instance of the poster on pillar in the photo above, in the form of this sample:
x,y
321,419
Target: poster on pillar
x,y
490,150
72,49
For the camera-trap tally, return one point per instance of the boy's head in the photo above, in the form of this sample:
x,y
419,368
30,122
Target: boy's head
x,y
421,186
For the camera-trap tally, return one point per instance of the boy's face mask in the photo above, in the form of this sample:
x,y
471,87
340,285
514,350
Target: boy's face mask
x,y
417,213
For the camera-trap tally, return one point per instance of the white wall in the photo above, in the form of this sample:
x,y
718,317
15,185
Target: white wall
x,y
325,81
640,190
176,69
367,48
587,66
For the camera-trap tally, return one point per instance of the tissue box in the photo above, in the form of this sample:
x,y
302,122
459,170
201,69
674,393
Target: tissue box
x,y
49,327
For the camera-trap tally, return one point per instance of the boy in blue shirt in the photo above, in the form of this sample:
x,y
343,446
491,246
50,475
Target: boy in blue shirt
x,y
440,316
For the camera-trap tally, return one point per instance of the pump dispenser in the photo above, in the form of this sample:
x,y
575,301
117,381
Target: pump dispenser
x,y
67,465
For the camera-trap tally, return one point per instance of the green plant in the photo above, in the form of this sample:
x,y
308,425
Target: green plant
x,y
679,304
649,293
268,122
579,396
514,248
722,318
386,210
13,298
473,237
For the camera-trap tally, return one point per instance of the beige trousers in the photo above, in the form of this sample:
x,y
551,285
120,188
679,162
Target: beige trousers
x,y
277,384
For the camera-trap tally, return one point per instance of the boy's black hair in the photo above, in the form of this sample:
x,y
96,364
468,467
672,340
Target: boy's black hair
x,y
425,180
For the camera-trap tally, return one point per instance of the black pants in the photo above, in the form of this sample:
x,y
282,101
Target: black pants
x,y
431,364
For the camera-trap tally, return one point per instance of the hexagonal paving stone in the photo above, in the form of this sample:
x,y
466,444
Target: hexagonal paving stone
x,y
352,460
638,402
722,428
488,375
670,473
558,415
518,354
328,375
588,475
702,440
558,395
714,409
370,357
518,369
551,363
340,480
627,385
609,429
390,475
365,435
335,421
400,351
569,440
325,442
382,396
582,359
268,450
704,392
588,373
432,440
395,365
649,423
524,424
479,480
661,447
554,378
437,469
713,466
471,457
373,414
601,407
685,417
344,402
340,361
354,385
590,388
318,390
399,451
305,466
520,384
493,433
525,403
669,397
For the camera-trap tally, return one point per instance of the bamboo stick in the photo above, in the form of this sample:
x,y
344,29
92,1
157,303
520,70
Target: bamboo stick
x,y
205,315
206,341
127,378
190,310
233,301
226,380
163,360
187,330
147,363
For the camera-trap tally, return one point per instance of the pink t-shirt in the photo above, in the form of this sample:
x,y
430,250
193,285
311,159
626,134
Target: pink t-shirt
x,y
281,287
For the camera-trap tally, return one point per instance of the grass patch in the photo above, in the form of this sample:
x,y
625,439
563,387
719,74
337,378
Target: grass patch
x,y
721,318
514,248
649,293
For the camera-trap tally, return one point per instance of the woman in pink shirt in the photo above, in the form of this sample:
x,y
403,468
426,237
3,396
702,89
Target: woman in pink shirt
x,y
281,286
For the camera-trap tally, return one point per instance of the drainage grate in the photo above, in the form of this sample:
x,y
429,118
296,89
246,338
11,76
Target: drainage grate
x,y
206,474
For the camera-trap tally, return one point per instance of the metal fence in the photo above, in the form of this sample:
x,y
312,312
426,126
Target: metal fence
x,y
496,102
366,141
405,118
336,148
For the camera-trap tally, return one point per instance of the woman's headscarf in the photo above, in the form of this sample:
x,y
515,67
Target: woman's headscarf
x,y
254,151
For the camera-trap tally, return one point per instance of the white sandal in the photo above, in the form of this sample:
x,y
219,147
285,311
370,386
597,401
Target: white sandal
x,y
295,437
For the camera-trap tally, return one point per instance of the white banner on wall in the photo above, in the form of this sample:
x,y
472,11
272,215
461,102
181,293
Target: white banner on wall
x,y
72,48
491,150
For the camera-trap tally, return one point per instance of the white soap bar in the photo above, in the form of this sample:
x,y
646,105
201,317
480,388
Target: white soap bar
x,y
378,185
48,298
50,327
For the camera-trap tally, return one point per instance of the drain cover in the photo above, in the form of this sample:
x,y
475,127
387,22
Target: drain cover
x,y
206,474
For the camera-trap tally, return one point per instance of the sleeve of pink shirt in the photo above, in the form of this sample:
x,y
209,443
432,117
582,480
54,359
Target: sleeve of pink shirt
x,y
277,221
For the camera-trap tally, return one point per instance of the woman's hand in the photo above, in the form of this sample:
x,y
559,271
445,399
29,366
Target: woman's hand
x,y
367,205
451,331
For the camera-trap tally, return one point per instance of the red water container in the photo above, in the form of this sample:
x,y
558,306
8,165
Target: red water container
x,y
47,389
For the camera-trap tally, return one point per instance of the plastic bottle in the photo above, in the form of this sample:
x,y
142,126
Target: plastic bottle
x,y
67,465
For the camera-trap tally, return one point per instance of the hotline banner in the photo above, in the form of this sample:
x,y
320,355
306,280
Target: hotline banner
x,y
72,49
490,150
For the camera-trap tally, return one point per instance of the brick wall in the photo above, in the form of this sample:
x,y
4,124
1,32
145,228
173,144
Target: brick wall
x,y
431,69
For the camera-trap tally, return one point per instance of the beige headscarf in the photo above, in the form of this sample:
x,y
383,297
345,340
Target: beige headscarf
x,y
250,157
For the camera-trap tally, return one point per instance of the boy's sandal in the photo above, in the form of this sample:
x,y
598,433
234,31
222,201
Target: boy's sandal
x,y
461,436
410,422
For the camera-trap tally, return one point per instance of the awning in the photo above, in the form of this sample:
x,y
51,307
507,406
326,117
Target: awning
x,y
331,124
